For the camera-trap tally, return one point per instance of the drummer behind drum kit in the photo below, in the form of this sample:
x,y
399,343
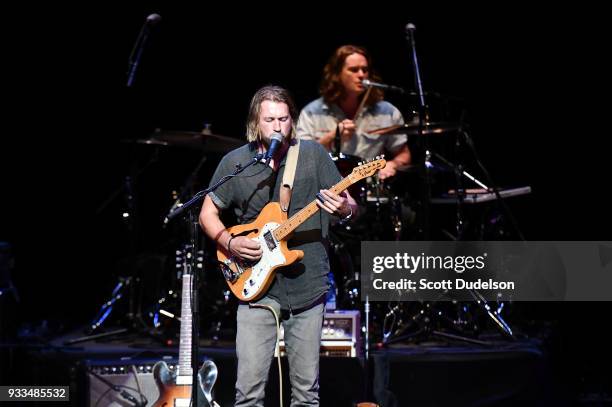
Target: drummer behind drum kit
x,y
387,213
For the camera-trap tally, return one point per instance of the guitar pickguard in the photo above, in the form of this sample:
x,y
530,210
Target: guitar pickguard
x,y
272,257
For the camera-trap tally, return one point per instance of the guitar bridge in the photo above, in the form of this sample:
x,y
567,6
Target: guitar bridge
x,y
231,275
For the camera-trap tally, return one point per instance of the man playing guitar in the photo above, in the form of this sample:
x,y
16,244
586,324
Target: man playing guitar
x,y
298,291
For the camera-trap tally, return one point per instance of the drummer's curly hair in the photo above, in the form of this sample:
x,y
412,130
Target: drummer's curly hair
x,y
274,94
331,87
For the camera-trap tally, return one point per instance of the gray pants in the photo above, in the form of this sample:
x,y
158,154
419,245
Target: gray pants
x,y
255,342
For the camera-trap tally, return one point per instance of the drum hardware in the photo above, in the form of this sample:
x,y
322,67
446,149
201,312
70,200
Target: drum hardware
x,y
431,319
411,129
493,187
204,140
132,320
459,317
187,189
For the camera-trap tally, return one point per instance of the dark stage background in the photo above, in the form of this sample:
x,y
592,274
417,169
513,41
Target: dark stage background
x,y
527,79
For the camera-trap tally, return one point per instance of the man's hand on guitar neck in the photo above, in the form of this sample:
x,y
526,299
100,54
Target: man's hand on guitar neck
x,y
244,248
336,204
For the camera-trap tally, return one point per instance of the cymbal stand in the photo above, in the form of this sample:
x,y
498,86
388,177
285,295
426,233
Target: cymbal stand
x,y
423,114
124,283
494,314
187,186
428,320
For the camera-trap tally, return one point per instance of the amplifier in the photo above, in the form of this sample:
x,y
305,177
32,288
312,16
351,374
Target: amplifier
x,y
340,336
127,373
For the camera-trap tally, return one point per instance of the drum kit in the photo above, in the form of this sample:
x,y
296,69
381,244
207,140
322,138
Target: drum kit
x,y
388,211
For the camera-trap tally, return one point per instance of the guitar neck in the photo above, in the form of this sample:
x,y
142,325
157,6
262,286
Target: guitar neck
x,y
296,220
184,368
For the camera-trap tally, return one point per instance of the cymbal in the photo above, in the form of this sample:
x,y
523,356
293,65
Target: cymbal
x,y
429,128
205,140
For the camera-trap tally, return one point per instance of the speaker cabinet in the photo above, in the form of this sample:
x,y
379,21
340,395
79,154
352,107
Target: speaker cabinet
x,y
129,375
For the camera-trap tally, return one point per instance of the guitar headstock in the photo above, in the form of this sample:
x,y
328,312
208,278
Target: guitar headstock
x,y
183,260
368,168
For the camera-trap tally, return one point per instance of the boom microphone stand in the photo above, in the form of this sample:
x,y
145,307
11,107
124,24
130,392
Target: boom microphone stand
x,y
139,46
425,224
194,284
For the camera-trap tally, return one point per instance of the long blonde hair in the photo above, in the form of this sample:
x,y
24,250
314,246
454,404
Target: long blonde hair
x,y
273,94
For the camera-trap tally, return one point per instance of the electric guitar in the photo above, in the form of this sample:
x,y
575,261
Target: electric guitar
x,y
250,280
175,386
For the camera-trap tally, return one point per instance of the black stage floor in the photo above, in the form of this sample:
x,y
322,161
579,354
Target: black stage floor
x,y
438,372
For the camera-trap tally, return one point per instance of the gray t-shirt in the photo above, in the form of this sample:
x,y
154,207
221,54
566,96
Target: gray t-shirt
x,y
301,284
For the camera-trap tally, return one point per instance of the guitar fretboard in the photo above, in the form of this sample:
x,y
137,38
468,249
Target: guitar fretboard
x,y
184,368
296,220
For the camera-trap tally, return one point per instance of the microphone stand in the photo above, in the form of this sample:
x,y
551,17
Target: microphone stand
x,y
194,283
459,172
139,46
201,194
495,189
423,140
337,141
186,186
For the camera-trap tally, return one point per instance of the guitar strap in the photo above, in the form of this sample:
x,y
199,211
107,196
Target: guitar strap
x,y
289,175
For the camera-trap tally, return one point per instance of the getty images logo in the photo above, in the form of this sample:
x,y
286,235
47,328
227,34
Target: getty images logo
x,y
412,264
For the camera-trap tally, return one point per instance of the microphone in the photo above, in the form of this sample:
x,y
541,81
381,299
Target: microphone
x,y
369,83
276,140
153,19
410,29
